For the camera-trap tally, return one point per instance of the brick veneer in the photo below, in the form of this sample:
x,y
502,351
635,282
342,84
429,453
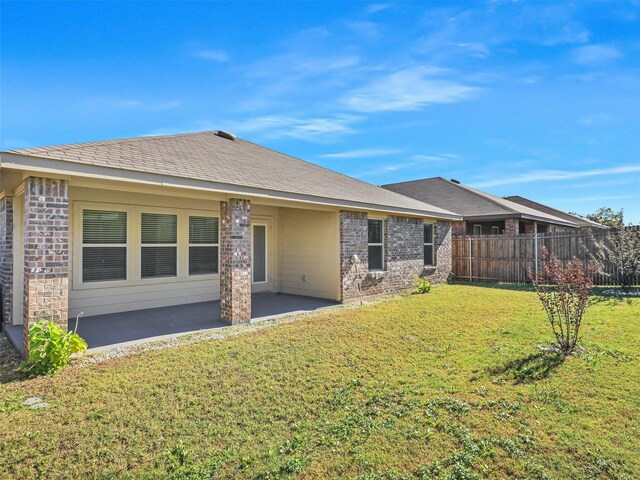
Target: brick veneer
x,y
6,257
235,261
459,228
511,226
403,254
46,252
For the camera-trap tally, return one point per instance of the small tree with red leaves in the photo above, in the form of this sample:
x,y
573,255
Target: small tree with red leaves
x,y
564,291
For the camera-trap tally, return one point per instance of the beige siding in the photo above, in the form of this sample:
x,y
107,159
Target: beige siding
x,y
136,294
309,256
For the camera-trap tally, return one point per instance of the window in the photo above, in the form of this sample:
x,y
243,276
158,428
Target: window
x,y
203,245
259,253
159,245
104,246
477,229
376,245
495,230
428,244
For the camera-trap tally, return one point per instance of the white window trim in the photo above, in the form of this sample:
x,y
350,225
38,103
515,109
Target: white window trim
x,y
266,253
474,229
134,245
200,275
493,230
158,245
377,244
433,245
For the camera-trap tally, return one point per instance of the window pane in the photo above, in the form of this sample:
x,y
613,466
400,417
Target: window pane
x,y
428,254
203,230
375,231
375,257
102,264
158,262
159,228
203,260
104,227
477,229
259,253
428,234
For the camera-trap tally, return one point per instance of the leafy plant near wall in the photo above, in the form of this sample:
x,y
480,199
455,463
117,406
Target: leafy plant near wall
x,y
50,348
564,293
424,286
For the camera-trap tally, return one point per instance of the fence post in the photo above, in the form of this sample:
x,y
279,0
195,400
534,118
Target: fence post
x,y
470,264
536,256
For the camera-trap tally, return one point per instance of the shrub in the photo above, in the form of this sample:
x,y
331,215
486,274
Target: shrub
x,y
564,293
50,348
424,286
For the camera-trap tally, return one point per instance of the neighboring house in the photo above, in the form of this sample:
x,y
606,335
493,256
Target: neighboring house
x,y
134,224
483,213
581,222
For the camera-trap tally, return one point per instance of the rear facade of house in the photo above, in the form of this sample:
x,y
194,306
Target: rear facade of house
x,y
486,214
127,225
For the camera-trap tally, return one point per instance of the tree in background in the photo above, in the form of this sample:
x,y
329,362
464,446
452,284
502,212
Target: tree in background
x,y
607,217
617,255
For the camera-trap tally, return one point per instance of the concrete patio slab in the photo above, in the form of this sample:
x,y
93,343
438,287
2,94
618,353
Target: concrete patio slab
x,y
119,329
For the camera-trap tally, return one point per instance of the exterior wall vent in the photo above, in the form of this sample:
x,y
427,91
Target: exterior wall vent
x,y
457,182
227,135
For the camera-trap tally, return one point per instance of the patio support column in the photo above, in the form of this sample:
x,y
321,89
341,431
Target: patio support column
x,y
46,253
235,261
353,241
6,258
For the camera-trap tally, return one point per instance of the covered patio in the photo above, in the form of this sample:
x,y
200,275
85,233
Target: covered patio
x,y
106,331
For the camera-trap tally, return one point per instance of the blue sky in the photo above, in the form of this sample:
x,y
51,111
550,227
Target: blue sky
x,y
540,99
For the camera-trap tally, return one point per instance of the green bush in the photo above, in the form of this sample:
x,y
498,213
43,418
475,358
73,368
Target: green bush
x,y
50,347
424,286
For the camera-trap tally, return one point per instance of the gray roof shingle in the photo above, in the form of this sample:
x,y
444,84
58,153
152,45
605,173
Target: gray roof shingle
x,y
581,221
469,202
209,157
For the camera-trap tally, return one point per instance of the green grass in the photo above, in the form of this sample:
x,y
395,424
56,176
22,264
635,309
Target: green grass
x,y
444,385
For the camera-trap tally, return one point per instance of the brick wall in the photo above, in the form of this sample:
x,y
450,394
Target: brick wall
x,y
403,253
459,228
442,269
511,226
6,258
46,252
235,261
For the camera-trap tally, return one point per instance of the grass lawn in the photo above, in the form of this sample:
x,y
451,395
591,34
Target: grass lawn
x,y
444,385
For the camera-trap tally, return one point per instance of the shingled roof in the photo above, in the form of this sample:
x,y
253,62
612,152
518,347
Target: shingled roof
x,y
207,156
471,203
581,221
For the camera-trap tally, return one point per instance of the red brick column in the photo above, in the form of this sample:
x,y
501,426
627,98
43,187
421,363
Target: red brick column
x,y
459,228
530,228
511,226
235,261
46,252
6,258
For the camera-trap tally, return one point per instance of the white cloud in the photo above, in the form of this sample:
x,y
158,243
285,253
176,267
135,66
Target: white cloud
x,y
595,54
215,55
414,162
377,7
311,129
555,175
411,88
364,153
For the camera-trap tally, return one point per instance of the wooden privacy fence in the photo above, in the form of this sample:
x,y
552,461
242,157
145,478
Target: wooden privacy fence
x,y
510,258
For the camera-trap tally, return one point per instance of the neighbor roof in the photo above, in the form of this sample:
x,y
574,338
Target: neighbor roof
x,y
208,157
469,202
580,221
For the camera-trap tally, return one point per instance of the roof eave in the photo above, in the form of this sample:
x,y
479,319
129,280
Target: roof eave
x,y
46,165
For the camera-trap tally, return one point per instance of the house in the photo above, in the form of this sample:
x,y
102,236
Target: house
x,y
581,222
483,213
117,228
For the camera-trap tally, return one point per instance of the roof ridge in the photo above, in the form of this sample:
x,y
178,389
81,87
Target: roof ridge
x,y
484,195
